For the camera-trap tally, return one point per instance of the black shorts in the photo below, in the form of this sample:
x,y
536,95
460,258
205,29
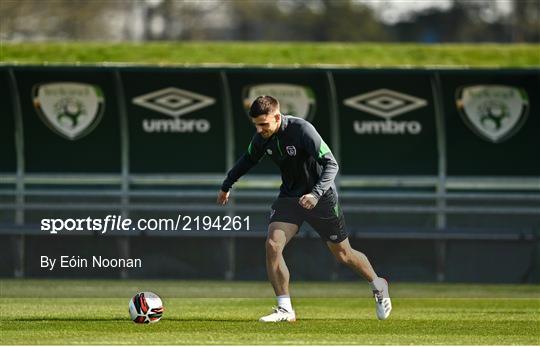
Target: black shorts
x,y
326,217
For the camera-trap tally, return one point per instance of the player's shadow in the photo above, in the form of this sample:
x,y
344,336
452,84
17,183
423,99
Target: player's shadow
x,y
198,320
61,319
180,320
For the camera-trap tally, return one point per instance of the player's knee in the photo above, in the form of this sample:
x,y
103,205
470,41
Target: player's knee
x,y
273,246
343,257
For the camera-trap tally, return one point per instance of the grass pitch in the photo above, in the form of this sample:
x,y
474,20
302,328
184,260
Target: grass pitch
x,y
95,312
371,55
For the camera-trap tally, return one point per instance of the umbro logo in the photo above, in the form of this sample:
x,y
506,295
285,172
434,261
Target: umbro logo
x,y
173,101
385,103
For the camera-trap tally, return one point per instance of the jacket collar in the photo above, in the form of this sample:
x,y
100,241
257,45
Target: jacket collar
x,y
284,123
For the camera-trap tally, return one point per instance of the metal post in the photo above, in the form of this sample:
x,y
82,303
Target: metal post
x,y
18,253
123,252
229,242
334,117
123,242
18,240
440,245
335,141
230,252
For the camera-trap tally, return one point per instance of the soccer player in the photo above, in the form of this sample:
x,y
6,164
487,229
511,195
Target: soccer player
x,y
307,193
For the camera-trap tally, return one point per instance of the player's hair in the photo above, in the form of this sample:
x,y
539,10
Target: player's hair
x,y
264,104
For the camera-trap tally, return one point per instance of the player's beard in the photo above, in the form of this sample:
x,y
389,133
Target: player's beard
x,y
266,134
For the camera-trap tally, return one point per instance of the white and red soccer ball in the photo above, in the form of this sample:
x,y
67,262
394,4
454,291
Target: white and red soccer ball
x,y
145,307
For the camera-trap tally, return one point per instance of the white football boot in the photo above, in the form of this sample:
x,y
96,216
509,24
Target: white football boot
x,y
279,314
383,303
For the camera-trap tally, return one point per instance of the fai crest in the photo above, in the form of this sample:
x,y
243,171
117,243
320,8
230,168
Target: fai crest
x,y
296,100
493,112
291,150
72,110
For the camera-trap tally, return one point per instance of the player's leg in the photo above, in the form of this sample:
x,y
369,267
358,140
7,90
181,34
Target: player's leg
x,y
328,220
279,234
285,220
357,261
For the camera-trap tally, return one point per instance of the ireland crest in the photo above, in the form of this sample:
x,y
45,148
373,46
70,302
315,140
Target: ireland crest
x,y
72,110
294,100
493,112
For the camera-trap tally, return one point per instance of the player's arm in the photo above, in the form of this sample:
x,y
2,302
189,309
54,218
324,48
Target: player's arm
x,y
248,160
316,147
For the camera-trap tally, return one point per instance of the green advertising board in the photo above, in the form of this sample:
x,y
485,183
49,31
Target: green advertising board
x,y
492,122
301,93
8,163
176,121
193,120
70,120
386,122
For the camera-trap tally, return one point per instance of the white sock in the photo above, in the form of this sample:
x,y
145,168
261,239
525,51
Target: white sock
x,y
284,301
377,284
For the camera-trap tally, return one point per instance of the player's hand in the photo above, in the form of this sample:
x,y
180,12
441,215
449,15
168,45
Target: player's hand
x,y
223,197
308,201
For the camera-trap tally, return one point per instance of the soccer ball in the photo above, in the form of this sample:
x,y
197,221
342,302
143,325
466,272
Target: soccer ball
x,y
145,307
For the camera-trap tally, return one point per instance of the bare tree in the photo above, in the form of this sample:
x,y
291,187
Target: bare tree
x,y
526,21
271,20
59,19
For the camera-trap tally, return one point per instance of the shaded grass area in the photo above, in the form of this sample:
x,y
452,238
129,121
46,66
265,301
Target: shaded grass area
x,y
291,54
190,318
234,321
45,288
